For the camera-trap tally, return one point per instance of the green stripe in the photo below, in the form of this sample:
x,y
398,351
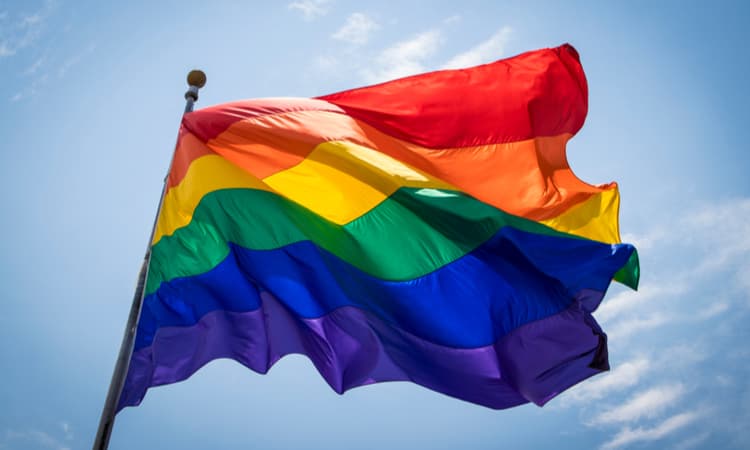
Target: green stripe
x,y
630,273
410,234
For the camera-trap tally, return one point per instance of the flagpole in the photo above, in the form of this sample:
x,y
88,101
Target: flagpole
x,y
196,79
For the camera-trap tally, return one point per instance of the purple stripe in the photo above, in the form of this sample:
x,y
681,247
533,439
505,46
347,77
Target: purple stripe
x,y
351,347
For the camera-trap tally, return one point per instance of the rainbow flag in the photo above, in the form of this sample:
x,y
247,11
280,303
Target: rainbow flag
x,y
427,229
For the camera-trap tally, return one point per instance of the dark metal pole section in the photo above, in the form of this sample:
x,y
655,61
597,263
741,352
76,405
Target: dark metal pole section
x,y
196,80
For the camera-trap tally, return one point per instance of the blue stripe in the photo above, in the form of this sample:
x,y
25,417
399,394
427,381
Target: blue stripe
x,y
514,278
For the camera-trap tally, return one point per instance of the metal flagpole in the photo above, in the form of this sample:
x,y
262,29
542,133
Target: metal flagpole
x,y
196,80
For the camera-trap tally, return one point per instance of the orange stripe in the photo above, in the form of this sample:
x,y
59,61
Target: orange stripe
x,y
528,178
189,148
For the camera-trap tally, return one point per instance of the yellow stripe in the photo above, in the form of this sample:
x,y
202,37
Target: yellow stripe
x,y
339,181
595,218
207,173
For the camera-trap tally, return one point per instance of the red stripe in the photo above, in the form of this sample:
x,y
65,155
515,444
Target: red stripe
x,y
208,123
535,94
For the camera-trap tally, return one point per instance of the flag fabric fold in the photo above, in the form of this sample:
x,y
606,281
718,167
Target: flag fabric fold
x,y
427,229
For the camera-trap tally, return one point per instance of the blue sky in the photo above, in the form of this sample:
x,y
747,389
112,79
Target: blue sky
x,y
90,101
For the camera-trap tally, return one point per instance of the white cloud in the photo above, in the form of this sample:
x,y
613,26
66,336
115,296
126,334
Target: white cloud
x,y
326,63
31,20
452,19
724,214
626,301
310,9
35,66
696,268
629,326
712,311
487,51
742,278
39,72
683,355
717,236
647,404
36,438
67,430
629,436
713,281
724,380
356,30
73,60
722,231
621,377
404,58
738,423
693,441
6,49
644,241
24,31
33,88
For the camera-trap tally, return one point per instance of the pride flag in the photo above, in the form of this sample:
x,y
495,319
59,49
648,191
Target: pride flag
x,y
427,229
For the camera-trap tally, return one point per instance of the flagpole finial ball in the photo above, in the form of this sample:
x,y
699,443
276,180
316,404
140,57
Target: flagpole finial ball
x,y
196,78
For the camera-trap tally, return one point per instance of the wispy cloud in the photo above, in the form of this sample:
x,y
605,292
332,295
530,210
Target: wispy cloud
x,y
621,377
45,67
416,54
724,380
626,301
629,436
71,61
407,57
34,438
721,232
32,89
35,66
712,311
742,278
23,30
310,9
31,20
326,63
456,18
487,51
647,404
67,430
6,49
644,241
627,327
717,234
693,441
717,239
723,214
357,29
682,356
